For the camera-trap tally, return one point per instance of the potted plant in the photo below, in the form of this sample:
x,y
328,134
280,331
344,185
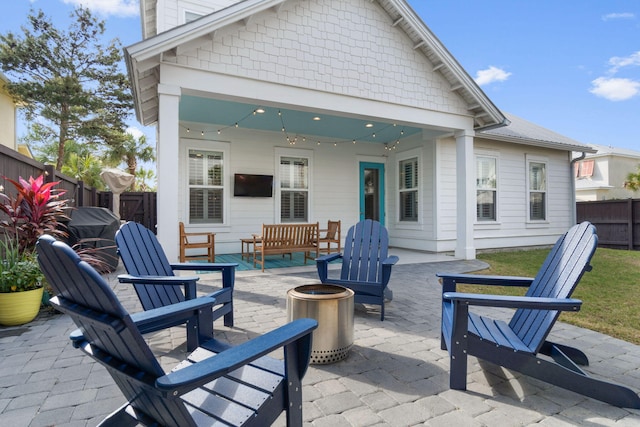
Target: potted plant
x,y
34,210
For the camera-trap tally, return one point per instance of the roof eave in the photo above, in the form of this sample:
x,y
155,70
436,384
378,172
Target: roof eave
x,y
489,108
539,143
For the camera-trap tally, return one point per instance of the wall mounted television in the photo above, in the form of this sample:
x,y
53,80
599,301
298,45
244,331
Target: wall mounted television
x,y
248,185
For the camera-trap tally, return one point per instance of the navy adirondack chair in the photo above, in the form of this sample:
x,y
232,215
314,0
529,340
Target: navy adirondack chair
x,y
366,266
516,345
156,285
216,385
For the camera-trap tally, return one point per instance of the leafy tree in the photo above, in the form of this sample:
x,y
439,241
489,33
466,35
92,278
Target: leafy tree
x,y
143,177
130,151
68,81
633,180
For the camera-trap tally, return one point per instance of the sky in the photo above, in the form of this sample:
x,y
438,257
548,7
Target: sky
x,y
572,66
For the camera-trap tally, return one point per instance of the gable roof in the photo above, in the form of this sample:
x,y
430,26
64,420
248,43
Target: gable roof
x,y
521,131
143,58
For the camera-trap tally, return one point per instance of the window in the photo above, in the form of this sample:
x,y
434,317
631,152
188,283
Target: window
x,y
486,188
206,187
408,191
584,169
294,189
537,187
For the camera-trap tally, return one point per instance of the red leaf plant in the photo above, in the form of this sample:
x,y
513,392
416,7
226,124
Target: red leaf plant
x,y
36,209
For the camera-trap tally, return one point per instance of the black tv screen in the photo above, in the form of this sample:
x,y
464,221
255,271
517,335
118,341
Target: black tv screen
x,y
247,185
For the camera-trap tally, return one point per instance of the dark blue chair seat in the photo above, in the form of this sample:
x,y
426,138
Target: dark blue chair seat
x,y
517,344
156,285
366,266
216,385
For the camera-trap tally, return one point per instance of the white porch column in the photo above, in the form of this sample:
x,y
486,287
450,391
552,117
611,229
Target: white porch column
x,y
167,169
466,195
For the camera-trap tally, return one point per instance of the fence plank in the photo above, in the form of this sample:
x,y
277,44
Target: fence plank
x,y
617,221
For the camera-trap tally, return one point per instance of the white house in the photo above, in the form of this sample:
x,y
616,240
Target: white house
x,y
601,175
355,109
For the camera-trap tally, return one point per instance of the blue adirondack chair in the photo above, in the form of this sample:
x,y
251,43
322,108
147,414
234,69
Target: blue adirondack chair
x,y
516,345
366,267
153,277
216,385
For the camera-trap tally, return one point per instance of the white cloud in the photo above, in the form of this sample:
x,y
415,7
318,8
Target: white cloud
x,y
490,75
615,89
618,62
135,132
624,15
121,8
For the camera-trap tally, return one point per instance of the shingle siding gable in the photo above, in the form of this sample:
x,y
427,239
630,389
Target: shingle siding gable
x,y
346,47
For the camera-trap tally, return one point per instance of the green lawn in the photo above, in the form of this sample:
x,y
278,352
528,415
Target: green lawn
x,y
610,293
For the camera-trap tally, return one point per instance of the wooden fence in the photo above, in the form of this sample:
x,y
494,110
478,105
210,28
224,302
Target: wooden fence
x,y
134,206
617,222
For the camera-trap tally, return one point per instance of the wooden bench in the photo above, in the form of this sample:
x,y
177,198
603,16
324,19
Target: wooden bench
x,y
284,239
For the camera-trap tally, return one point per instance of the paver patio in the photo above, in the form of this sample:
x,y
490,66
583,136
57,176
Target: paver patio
x,y
395,374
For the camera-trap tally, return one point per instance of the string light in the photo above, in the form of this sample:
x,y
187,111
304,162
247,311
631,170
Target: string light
x,y
293,139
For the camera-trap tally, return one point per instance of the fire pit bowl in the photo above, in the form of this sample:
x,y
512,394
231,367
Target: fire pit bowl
x,y
332,307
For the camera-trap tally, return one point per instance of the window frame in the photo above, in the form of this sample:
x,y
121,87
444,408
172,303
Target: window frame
x,y
213,147
530,160
494,189
294,154
401,158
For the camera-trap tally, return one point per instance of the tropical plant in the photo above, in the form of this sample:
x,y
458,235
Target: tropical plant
x,y
633,180
36,209
19,270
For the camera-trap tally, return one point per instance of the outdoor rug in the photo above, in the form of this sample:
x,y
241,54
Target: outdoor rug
x,y
271,261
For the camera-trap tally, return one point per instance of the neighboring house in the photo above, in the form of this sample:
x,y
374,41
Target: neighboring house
x,y
355,109
7,116
601,175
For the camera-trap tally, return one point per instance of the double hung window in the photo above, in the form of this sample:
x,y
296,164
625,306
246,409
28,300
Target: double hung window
x,y
408,189
206,186
537,190
486,188
294,189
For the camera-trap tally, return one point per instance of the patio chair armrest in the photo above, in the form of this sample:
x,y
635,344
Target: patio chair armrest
x,y
228,270
183,380
157,280
509,301
390,260
322,265
170,315
449,281
329,257
189,282
205,266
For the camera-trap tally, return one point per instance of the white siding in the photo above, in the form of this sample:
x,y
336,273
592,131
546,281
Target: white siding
x,y
335,180
339,46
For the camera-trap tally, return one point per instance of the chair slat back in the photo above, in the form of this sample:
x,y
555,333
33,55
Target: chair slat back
x,y
332,229
559,275
365,247
108,333
142,255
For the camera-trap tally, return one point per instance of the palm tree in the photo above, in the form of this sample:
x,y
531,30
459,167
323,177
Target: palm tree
x,y
130,151
633,180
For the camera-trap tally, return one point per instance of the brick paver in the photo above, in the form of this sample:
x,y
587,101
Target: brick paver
x,y
395,375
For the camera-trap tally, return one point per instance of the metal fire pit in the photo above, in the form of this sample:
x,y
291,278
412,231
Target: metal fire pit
x,y
332,307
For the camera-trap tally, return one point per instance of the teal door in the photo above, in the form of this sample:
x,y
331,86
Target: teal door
x,y
372,191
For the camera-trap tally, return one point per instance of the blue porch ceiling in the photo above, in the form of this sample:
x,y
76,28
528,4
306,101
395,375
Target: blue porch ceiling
x,y
214,115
